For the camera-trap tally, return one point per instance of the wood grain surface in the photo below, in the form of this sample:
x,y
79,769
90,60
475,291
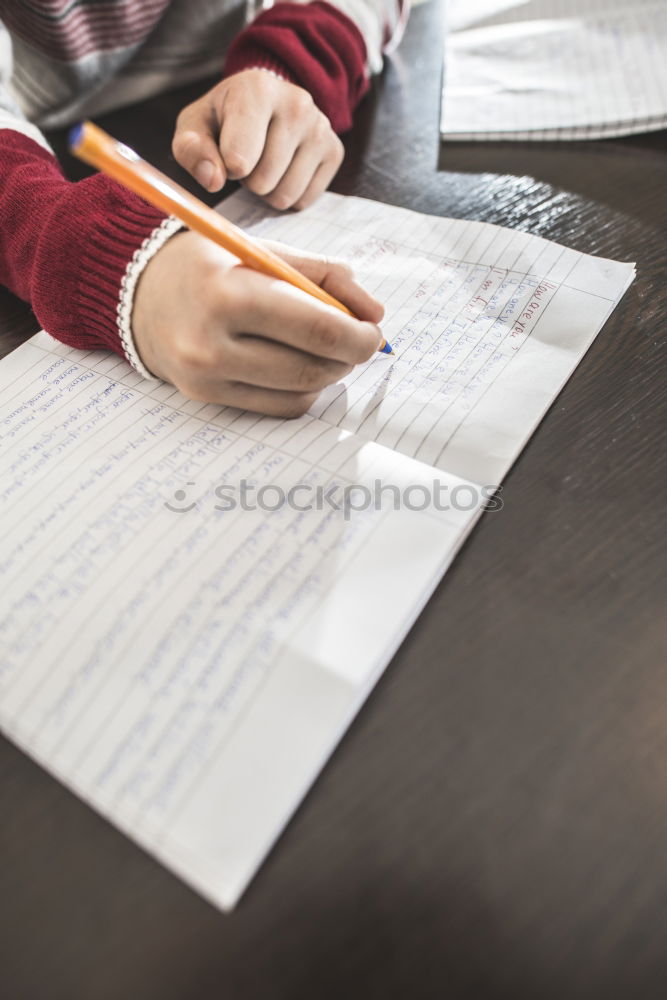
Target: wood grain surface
x,y
494,823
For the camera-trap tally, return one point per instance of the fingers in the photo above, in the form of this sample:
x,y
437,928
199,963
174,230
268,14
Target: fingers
x,y
245,109
263,122
320,179
265,376
271,402
278,311
195,147
335,277
257,374
289,177
281,149
261,129
271,365
283,159
340,283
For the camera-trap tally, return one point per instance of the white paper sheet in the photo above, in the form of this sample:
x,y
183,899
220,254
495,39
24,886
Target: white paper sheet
x,y
487,324
184,656
554,69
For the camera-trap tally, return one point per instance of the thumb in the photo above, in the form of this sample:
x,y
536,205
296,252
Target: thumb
x,y
195,147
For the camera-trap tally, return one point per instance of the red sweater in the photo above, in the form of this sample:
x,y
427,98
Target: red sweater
x,y
65,247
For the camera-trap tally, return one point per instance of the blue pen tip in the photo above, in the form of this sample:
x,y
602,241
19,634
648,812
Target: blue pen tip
x,y
387,349
75,136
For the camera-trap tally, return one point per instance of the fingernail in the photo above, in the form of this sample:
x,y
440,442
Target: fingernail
x,y
204,172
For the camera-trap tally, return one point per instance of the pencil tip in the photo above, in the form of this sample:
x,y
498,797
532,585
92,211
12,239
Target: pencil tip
x,y
75,135
387,348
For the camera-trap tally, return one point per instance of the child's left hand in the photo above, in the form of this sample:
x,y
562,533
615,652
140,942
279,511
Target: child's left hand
x,y
263,130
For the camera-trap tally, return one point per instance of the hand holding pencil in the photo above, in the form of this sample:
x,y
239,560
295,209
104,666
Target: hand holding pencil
x,y
221,328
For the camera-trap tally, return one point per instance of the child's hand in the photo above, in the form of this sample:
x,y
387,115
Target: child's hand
x,y
265,131
223,333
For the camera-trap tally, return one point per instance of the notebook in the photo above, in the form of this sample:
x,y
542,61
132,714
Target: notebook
x,y
197,599
554,69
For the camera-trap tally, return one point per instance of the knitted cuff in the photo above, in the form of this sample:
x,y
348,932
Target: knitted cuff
x,y
74,251
140,258
87,246
69,249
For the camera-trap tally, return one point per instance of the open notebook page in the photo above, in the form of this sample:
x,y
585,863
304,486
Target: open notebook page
x,y
554,69
487,324
187,669
187,666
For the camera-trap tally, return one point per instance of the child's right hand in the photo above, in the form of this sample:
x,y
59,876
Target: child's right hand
x,y
224,333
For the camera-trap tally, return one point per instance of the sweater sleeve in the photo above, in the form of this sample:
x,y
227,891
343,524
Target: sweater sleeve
x,y
69,249
329,49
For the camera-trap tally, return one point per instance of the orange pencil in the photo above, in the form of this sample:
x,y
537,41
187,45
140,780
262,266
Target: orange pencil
x,y
95,147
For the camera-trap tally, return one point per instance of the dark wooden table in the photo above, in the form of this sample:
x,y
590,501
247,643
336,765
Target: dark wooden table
x,y
494,824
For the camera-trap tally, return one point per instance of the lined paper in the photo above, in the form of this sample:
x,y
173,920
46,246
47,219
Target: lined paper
x,y
487,324
186,659
554,69
142,646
